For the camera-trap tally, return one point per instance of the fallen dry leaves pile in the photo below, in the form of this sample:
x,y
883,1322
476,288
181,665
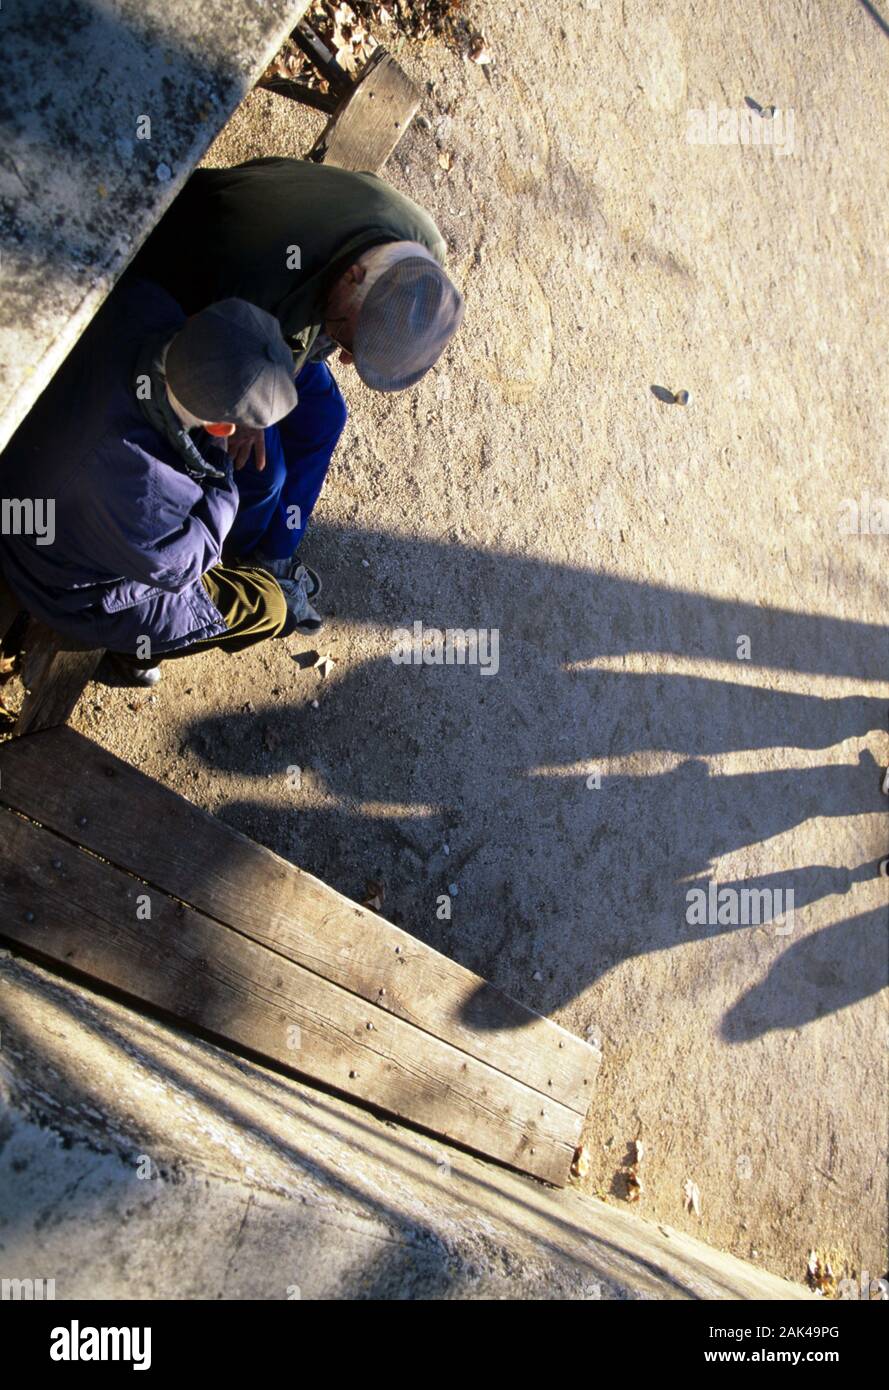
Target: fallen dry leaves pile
x,y
345,28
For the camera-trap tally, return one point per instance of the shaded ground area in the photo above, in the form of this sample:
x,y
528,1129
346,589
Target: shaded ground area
x,y
140,1162
631,742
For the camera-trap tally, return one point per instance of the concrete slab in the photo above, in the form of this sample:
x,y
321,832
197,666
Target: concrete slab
x,y
105,110
138,1162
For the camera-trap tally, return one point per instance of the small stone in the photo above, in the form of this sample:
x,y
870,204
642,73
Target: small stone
x,y
315,704
164,173
366,564
57,863
537,976
682,398
446,849
453,889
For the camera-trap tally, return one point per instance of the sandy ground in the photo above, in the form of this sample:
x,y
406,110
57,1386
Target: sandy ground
x,y
623,548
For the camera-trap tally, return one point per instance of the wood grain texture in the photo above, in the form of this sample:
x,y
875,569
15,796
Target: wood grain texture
x,y
114,810
73,908
54,672
366,129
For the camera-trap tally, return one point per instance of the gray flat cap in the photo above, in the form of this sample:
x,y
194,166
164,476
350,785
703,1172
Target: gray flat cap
x,y
230,363
405,323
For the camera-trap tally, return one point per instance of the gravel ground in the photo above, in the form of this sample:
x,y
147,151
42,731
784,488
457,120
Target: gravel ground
x,y
623,548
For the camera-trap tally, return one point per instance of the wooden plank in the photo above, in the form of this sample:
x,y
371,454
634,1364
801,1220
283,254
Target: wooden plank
x,y
54,673
74,908
133,821
366,129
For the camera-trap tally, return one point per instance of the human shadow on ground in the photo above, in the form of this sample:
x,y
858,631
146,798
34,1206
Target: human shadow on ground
x,y
558,872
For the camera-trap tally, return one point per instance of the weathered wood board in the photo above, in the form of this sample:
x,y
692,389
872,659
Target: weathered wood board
x,y
55,673
365,130
245,945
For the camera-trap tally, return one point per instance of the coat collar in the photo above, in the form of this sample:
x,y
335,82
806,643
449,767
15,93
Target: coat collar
x,y
150,385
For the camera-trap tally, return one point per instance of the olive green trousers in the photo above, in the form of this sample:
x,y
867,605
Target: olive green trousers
x,y
252,607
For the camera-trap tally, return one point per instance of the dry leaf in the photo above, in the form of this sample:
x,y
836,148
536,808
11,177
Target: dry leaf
x,y
374,893
580,1163
634,1186
478,51
692,1196
820,1275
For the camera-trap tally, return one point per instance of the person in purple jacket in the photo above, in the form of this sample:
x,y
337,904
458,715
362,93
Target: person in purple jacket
x,y
125,452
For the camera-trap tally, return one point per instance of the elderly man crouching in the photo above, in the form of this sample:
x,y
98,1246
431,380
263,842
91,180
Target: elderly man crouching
x,y
344,261
129,442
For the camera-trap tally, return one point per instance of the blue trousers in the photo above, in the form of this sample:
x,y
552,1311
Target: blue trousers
x,y
275,505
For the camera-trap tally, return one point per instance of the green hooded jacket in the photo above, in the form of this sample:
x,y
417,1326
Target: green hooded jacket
x,y
279,233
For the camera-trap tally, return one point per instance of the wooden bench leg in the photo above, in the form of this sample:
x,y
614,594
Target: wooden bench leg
x,y
54,673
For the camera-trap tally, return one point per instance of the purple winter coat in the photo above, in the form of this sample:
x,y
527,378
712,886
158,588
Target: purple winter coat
x,y
133,532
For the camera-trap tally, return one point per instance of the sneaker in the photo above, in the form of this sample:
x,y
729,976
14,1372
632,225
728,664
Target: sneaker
x,y
299,584
117,669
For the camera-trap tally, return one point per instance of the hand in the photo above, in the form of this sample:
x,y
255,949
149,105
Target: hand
x,y
245,442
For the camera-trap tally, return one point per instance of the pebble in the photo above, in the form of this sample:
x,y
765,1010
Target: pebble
x,y
453,889
537,976
682,398
164,173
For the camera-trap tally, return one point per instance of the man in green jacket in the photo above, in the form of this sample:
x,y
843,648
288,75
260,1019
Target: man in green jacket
x,y
343,260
